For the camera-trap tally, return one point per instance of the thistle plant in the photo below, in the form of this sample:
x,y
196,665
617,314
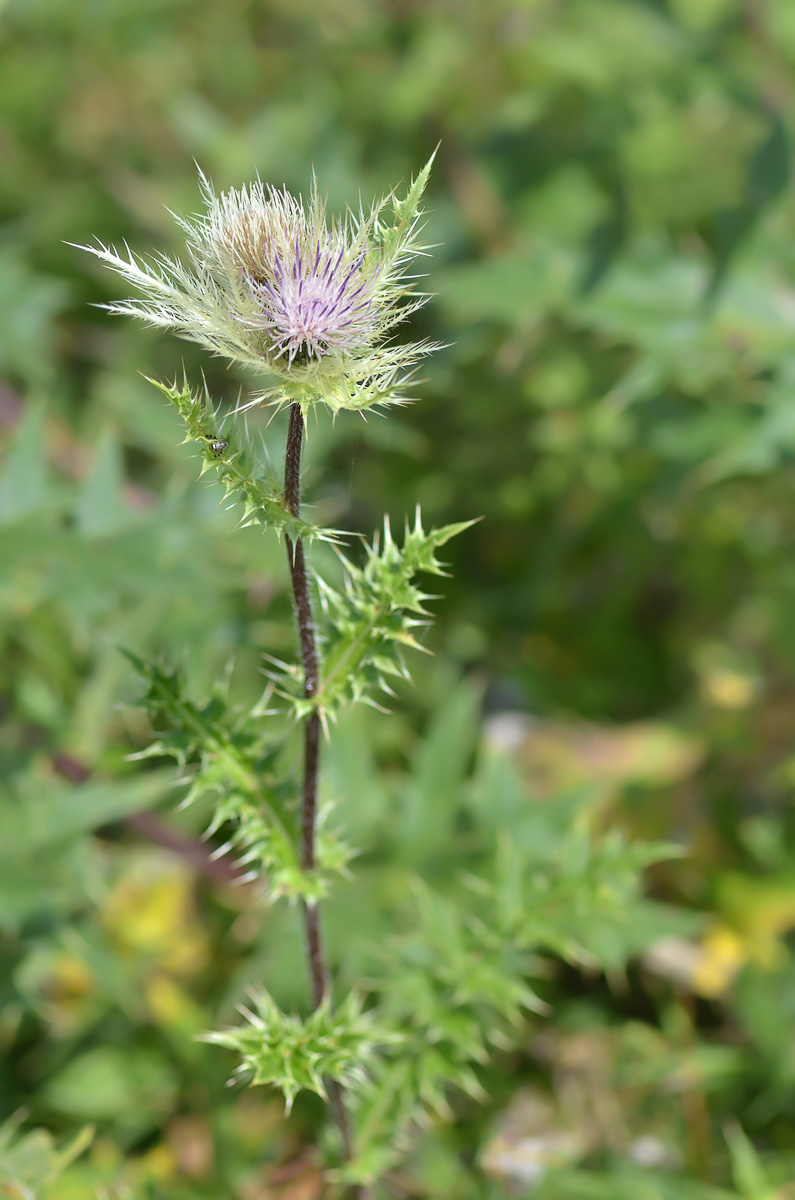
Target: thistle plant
x,y
270,282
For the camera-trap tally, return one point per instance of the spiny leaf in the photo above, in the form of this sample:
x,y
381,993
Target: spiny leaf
x,y
291,1054
371,620
232,762
233,759
259,496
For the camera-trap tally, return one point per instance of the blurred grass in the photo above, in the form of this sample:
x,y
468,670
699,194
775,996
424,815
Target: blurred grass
x,y
614,279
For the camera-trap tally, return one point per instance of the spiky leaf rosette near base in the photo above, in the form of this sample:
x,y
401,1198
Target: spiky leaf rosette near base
x,y
271,282
372,619
296,1055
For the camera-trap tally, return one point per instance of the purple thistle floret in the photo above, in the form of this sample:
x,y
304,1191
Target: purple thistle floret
x,y
317,303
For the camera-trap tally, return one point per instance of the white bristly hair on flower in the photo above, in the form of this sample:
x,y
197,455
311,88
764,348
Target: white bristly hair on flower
x,y
270,283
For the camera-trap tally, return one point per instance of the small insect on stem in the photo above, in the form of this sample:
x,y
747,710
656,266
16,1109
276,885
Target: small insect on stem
x,y
217,445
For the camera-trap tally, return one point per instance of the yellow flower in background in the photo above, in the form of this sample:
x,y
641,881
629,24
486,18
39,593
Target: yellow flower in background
x,y
159,1163
723,953
707,967
728,689
60,985
762,910
151,912
726,679
758,914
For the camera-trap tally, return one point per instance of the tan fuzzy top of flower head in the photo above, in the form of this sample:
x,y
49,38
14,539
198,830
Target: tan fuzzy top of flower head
x,y
239,229
269,282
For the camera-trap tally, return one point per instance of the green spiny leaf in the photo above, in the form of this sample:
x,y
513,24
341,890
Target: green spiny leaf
x,y
370,621
244,484
291,1054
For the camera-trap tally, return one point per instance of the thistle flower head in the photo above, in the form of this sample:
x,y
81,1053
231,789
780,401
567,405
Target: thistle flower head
x,y
270,282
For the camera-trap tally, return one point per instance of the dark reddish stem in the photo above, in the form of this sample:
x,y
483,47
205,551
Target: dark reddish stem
x,y
318,967
306,633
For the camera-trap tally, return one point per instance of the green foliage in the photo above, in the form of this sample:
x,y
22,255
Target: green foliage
x,y
370,620
244,482
614,282
295,1055
45,861
626,1185
233,759
749,1177
454,983
452,992
30,1162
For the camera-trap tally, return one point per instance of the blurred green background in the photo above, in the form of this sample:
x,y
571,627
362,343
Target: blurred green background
x,y
613,279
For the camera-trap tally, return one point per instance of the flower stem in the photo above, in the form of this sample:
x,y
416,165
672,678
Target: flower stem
x,y
318,966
